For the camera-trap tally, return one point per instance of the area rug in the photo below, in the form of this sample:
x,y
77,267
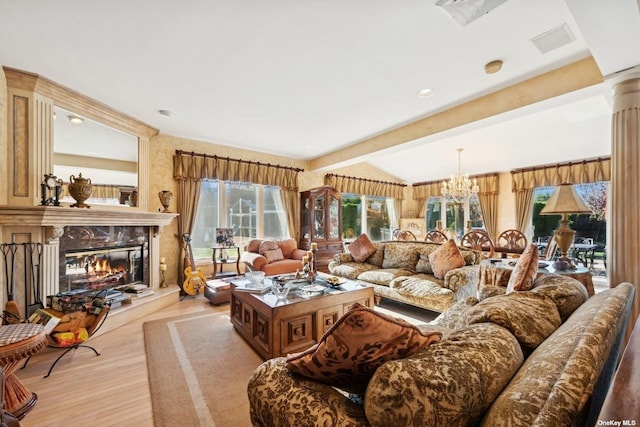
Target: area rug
x,y
198,371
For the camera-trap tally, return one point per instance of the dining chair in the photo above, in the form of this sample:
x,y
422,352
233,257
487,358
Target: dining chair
x,y
435,236
478,240
406,235
511,242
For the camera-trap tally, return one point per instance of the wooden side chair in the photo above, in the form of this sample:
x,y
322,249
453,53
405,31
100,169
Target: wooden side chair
x,y
511,242
406,235
480,241
435,236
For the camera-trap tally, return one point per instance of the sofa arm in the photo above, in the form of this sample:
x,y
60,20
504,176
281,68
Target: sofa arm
x,y
463,281
342,258
298,254
279,398
253,260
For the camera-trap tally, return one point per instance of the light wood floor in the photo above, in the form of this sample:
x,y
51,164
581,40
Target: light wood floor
x,y
113,389
107,390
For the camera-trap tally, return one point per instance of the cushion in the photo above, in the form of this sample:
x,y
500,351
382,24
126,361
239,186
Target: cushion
x,y
267,245
445,258
360,341
361,248
287,246
525,270
530,317
450,383
566,292
423,265
402,255
273,255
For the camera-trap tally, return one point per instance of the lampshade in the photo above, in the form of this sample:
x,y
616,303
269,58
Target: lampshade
x,y
565,200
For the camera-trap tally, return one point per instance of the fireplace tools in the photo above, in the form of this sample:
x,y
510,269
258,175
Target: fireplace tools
x,y
30,289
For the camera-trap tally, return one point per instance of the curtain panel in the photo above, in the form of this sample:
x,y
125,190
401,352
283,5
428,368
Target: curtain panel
x,y
367,187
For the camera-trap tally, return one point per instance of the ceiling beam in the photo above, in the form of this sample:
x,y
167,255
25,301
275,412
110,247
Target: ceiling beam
x,y
563,80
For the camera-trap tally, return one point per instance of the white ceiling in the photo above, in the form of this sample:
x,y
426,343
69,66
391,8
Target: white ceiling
x,y
305,78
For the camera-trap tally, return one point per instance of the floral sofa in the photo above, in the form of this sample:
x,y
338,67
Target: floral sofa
x,y
543,357
402,271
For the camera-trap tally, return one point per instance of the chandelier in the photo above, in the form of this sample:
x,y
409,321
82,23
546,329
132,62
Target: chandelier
x,y
459,187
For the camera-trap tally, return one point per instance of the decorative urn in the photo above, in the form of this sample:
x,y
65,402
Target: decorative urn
x,y
133,198
165,197
80,189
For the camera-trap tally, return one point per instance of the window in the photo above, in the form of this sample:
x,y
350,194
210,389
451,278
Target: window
x,y
456,216
375,219
251,211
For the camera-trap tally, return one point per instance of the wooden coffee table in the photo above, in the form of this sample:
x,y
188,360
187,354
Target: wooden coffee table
x,y
275,328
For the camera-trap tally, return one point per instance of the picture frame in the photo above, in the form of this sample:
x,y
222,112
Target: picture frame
x,y
224,236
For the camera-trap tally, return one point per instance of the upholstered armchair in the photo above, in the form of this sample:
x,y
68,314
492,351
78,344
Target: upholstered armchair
x,y
273,256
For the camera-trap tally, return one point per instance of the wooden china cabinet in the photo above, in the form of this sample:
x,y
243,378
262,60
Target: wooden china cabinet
x,y
321,223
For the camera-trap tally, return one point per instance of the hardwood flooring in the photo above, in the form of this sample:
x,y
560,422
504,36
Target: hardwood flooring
x,y
113,389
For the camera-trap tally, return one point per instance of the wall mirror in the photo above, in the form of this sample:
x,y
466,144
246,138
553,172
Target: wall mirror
x,y
106,155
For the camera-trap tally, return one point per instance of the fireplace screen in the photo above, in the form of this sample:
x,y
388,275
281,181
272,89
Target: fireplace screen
x,y
94,258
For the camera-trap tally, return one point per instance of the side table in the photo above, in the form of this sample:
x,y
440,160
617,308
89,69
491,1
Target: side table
x,y
17,342
497,272
223,255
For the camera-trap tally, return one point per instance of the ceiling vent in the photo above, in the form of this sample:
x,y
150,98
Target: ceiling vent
x,y
553,39
466,11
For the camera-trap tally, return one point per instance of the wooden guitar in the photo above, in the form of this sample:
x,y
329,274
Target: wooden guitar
x,y
194,277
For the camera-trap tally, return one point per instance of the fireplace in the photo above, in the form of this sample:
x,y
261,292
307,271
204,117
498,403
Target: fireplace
x,y
100,257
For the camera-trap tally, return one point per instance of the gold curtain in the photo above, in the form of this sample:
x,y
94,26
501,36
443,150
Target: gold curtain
x,y
524,181
488,198
367,187
422,191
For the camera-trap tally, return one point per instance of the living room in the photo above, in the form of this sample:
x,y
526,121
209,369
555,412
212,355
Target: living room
x,y
157,152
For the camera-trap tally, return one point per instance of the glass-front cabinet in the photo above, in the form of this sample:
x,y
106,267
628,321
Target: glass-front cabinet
x,y
321,222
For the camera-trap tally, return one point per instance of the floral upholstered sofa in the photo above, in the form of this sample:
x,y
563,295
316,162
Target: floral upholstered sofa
x,y
404,271
542,357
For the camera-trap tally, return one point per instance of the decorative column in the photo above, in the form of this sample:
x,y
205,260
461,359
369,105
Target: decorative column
x,y
624,215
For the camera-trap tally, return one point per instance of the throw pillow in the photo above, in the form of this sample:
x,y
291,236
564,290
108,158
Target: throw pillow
x,y
273,255
361,248
267,245
445,258
525,270
353,348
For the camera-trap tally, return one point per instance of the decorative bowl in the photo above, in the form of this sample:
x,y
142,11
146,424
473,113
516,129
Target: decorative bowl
x,y
280,291
255,277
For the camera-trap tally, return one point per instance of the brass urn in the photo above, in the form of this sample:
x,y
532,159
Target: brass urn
x,y
165,197
80,189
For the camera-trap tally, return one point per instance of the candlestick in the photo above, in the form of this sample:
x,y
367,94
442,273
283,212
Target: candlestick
x,y
314,246
162,260
305,259
439,224
163,267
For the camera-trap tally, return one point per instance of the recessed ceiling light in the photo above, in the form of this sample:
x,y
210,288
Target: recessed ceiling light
x,y
165,113
76,120
425,93
493,66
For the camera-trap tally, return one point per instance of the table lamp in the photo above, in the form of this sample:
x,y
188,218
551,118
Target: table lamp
x,y
565,200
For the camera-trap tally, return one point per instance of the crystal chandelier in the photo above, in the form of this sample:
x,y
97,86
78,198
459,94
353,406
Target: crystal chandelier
x,y
459,187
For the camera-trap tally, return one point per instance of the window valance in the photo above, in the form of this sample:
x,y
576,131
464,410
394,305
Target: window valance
x,y
367,187
198,166
580,172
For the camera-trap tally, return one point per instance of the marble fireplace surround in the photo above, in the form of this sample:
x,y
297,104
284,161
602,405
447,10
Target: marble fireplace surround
x,y
52,220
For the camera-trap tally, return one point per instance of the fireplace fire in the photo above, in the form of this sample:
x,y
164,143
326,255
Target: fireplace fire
x,y
94,258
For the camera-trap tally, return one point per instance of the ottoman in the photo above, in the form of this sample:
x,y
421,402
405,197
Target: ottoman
x,y
217,292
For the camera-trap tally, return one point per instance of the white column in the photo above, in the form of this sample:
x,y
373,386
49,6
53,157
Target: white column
x,y
623,263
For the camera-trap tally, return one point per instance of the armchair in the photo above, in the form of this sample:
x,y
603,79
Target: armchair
x,y
273,257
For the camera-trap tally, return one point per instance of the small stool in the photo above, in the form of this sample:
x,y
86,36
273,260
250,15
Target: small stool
x,y
217,292
17,342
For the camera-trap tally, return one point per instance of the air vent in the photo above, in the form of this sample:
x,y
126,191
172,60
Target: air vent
x,y
553,39
466,11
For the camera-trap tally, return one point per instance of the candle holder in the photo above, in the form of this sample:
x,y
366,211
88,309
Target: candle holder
x,y
163,269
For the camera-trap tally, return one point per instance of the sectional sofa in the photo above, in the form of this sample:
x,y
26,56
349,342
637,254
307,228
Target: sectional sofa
x,y
543,357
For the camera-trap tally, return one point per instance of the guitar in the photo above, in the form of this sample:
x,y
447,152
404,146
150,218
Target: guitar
x,y
194,278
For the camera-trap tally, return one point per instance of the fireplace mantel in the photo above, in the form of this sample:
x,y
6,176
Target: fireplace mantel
x,y
60,216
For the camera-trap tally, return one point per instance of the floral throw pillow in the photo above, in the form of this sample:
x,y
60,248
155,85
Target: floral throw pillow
x,y
524,273
361,248
360,341
445,258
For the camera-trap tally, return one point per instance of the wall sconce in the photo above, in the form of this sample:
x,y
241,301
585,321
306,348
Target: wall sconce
x,y
76,120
